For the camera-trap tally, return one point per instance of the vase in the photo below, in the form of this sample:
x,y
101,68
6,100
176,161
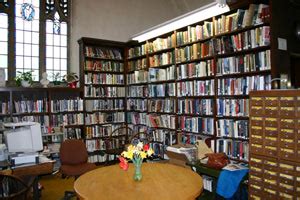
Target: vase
x,y
25,83
137,176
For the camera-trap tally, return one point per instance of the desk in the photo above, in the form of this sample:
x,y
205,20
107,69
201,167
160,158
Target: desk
x,y
160,181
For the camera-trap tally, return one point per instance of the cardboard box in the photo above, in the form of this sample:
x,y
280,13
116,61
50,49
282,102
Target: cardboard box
x,y
179,157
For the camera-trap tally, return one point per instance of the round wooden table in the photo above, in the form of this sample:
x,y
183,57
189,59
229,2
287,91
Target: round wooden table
x,y
160,181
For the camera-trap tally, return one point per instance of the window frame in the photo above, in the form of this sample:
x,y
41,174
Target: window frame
x,y
10,11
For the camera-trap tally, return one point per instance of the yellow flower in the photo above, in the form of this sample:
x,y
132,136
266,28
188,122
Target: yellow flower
x,y
150,152
127,154
143,154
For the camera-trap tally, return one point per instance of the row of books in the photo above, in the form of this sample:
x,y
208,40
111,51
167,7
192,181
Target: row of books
x,y
166,137
137,51
247,63
157,74
105,53
92,91
100,131
232,128
196,106
162,90
243,85
233,107
249,39
104,104
97,158
115,143
137,91
137,77
161,43
137,105
157,60
233,148
94,144
161,121
195,51
73,133
196,88
194,33
72,119
42,119
194,70
4,108
136,118
162,105
66,105
104,66
102,118
189,138
92,78
202,125
138,64
256,14
29,106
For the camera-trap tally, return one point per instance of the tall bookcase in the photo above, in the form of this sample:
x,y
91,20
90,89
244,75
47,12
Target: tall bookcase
x,y
274,145
194,83
103,81
209,67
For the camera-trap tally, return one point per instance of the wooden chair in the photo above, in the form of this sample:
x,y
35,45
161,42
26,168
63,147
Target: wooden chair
x,y
116,143
14,187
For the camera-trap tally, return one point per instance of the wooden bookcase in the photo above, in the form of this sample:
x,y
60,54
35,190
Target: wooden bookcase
x,y
274,145
103,80
58,110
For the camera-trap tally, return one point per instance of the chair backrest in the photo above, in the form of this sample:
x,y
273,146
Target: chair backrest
x,y
73,152
118,138
12,187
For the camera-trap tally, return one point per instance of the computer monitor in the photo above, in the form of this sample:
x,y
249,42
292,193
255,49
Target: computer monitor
x,y
24,139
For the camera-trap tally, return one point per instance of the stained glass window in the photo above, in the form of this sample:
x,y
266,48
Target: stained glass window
x,y
56,38
23,49
4,42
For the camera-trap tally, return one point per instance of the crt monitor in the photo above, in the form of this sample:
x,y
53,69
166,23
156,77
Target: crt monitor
x,y
25,139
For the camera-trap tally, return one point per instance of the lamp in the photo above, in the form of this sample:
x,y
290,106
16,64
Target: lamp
x,y
200,14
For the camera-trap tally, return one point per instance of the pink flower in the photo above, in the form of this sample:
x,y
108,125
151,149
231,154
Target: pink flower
x,y
123,163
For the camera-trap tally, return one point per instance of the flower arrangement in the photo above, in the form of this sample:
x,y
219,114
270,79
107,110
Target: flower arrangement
x,y
135,153
24,78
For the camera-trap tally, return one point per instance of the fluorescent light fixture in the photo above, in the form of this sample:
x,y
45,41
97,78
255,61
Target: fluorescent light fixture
x,y
197,15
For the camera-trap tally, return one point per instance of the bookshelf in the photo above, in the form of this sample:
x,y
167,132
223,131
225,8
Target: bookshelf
x,y
103,80
58,110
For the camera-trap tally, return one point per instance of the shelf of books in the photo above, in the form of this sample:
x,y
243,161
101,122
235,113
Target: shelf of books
x,y
103,80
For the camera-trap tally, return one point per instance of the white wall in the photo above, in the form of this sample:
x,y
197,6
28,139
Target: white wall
x,y
120,19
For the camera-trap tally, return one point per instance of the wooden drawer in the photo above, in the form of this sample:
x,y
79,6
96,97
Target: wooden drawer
x,y
271,101
256,101
287,133
256,130
287,167
271,141
288,101
285,196
256,139
256,171
271,150
287,143
270,174
257,111
287,112
271,165
256,180
287,123
256,121
255,189
271,122
270,193
271,111
256,162
271,132
287,153
256,148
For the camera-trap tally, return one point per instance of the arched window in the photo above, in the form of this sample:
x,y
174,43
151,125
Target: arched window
x,y
34,37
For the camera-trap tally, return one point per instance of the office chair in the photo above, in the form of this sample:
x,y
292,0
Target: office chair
x,y
15,188
74,161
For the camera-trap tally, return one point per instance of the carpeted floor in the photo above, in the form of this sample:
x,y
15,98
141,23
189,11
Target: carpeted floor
x,y
54,186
